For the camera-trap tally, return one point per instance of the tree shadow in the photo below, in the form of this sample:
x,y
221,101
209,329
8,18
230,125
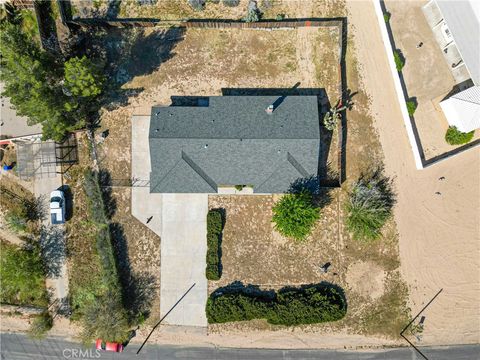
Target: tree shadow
x,y
109,202
53,250
249,290
124,53
321,196
138,288
37,210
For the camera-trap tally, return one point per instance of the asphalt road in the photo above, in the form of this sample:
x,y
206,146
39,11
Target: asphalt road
x,y
20,347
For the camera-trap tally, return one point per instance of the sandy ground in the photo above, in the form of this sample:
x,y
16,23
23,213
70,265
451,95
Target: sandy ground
x,y
439,234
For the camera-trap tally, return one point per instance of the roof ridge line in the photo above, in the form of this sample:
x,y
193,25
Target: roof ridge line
x,y
291,159
199,171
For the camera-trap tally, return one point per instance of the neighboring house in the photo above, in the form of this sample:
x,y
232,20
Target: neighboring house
x,y
234,140
462,110
456,26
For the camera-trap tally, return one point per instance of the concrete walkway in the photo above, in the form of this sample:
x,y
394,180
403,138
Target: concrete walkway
x,y
52,241
180,221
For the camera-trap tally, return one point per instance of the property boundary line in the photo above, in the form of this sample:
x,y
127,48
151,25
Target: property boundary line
x,y
398,87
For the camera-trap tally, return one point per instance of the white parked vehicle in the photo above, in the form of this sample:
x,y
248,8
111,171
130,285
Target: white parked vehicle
x,y
57,207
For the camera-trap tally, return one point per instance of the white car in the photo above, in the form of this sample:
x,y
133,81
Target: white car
x,y
57,207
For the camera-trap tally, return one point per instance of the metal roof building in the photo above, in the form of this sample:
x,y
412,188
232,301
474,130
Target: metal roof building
x,y
233,140
462,110
457,26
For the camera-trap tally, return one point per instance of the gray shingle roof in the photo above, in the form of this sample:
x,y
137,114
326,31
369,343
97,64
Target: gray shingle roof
x,y
234,141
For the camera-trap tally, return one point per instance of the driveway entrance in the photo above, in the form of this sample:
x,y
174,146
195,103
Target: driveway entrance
x,y
180,221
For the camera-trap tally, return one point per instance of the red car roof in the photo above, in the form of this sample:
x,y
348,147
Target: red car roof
x,y
108,346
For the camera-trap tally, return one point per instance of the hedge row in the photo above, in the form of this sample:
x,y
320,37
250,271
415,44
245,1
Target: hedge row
x,y
97,213
289,306
214,237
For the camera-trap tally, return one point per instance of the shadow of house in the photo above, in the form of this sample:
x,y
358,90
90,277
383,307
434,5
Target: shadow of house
x,y
324,173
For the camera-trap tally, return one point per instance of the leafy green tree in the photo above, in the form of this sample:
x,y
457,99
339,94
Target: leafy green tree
x,y
83,78
455,137
31,80
295,214
369,206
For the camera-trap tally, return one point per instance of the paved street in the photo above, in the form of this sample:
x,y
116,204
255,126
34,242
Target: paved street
x,y
20,347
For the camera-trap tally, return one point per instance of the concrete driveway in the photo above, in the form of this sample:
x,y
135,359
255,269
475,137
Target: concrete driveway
x,y
180,221
52,241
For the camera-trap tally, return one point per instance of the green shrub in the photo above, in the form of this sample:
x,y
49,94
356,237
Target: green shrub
x,y
411,107
40,325
213,270
23,275
290,306
214,222
386,17
253,13
280,17
399,61
369,206
455,137
17,218
105,318
295,214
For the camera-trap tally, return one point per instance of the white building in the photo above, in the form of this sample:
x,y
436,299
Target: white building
x,y
456,27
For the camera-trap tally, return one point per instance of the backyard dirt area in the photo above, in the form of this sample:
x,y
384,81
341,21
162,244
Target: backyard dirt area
x,y
202,62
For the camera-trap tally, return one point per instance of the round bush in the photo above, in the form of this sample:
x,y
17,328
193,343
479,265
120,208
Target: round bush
x,y
456,137
295,214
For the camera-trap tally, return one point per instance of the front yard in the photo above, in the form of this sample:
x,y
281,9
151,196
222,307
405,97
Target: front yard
x,y
254,253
